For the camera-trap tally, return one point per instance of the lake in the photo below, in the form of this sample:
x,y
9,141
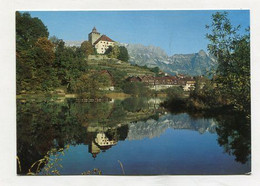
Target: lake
x,y
134,136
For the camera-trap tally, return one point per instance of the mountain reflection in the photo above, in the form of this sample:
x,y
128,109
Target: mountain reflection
x,y
154,128
42,126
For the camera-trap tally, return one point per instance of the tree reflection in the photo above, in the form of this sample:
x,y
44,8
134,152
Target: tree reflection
x,y
234,134
233,129
43,126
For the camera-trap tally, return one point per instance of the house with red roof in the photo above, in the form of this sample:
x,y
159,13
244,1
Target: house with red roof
x,y
100,42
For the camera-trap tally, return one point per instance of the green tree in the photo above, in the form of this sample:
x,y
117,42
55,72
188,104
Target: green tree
x,y
87,48
232,52
156,70
90,85
123,54
113,52
108,50
136,89
118,77
175,92
28,32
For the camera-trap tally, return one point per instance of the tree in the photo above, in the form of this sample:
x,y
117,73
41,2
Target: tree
x,y
44,76
118,52
175,92
118,77
156,70
113,52
108,50
87,48
90,85
44,52
232,52
123,54
136,88
28,32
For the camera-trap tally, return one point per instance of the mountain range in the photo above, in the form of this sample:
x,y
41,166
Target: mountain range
x,y
191,64
154,128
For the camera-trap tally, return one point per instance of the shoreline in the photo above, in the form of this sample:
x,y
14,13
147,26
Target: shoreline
x,y
111,95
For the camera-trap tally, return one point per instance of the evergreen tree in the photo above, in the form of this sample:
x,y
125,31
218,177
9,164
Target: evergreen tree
x,y
123,54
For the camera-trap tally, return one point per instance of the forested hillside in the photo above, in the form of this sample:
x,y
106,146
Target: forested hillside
x,y
45,64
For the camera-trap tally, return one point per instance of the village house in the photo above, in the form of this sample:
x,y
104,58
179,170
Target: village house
x,y
100,42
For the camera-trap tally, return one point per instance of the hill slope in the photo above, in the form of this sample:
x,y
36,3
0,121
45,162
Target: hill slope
x,y
120,66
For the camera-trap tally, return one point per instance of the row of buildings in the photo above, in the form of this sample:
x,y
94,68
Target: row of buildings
x,y
156,83
160,83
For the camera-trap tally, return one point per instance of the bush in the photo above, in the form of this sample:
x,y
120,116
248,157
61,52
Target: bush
x,y
174,92
137,88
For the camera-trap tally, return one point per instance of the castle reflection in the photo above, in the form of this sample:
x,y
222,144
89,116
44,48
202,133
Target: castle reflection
x,y
105,137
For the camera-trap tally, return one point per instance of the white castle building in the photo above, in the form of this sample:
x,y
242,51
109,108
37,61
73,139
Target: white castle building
x,y
100,42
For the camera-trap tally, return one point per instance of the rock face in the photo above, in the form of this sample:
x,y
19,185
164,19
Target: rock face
x,y
192,64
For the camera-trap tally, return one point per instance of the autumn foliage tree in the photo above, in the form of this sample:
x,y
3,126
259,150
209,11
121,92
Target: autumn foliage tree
x,y
45,75
33,51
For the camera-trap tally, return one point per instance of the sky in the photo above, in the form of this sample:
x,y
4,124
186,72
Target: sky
x,y
176,32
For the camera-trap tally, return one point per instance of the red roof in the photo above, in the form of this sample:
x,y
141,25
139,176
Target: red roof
x,y
103,38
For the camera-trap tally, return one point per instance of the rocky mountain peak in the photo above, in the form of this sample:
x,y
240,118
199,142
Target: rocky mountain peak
x,y
202,53
191,64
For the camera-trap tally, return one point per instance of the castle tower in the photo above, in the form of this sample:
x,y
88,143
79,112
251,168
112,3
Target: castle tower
x,y
93,149
93,36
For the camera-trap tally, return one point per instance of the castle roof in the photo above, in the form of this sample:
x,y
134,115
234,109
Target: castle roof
x,y
94,30
103,38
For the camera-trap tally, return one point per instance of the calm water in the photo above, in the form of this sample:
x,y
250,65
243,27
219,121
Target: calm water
x,y
133,136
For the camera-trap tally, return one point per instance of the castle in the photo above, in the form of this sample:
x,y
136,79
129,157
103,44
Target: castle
x,y
100,42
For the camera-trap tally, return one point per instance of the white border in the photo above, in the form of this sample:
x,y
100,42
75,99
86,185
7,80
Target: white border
x,y
7,90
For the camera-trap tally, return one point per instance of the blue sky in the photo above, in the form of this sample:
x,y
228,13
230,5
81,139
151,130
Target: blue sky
x,y
176,32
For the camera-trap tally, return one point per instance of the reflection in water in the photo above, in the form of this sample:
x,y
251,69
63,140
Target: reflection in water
x,y
45,125
234,135
154,128
105,137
